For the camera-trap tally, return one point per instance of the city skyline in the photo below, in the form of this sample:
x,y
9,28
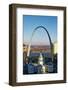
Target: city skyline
x,y
40,37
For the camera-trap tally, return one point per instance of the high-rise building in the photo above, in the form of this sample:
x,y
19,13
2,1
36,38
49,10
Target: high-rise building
x,y
55,48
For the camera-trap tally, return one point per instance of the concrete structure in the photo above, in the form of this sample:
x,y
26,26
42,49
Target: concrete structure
x,y
51,45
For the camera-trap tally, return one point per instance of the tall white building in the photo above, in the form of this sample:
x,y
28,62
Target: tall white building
x,y
55,48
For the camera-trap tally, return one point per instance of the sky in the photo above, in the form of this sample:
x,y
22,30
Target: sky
x,y
30,22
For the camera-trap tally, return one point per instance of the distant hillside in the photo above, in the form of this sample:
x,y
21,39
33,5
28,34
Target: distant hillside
x,y
36,48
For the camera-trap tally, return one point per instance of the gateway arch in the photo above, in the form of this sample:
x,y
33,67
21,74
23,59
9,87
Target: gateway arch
x,y
50,41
